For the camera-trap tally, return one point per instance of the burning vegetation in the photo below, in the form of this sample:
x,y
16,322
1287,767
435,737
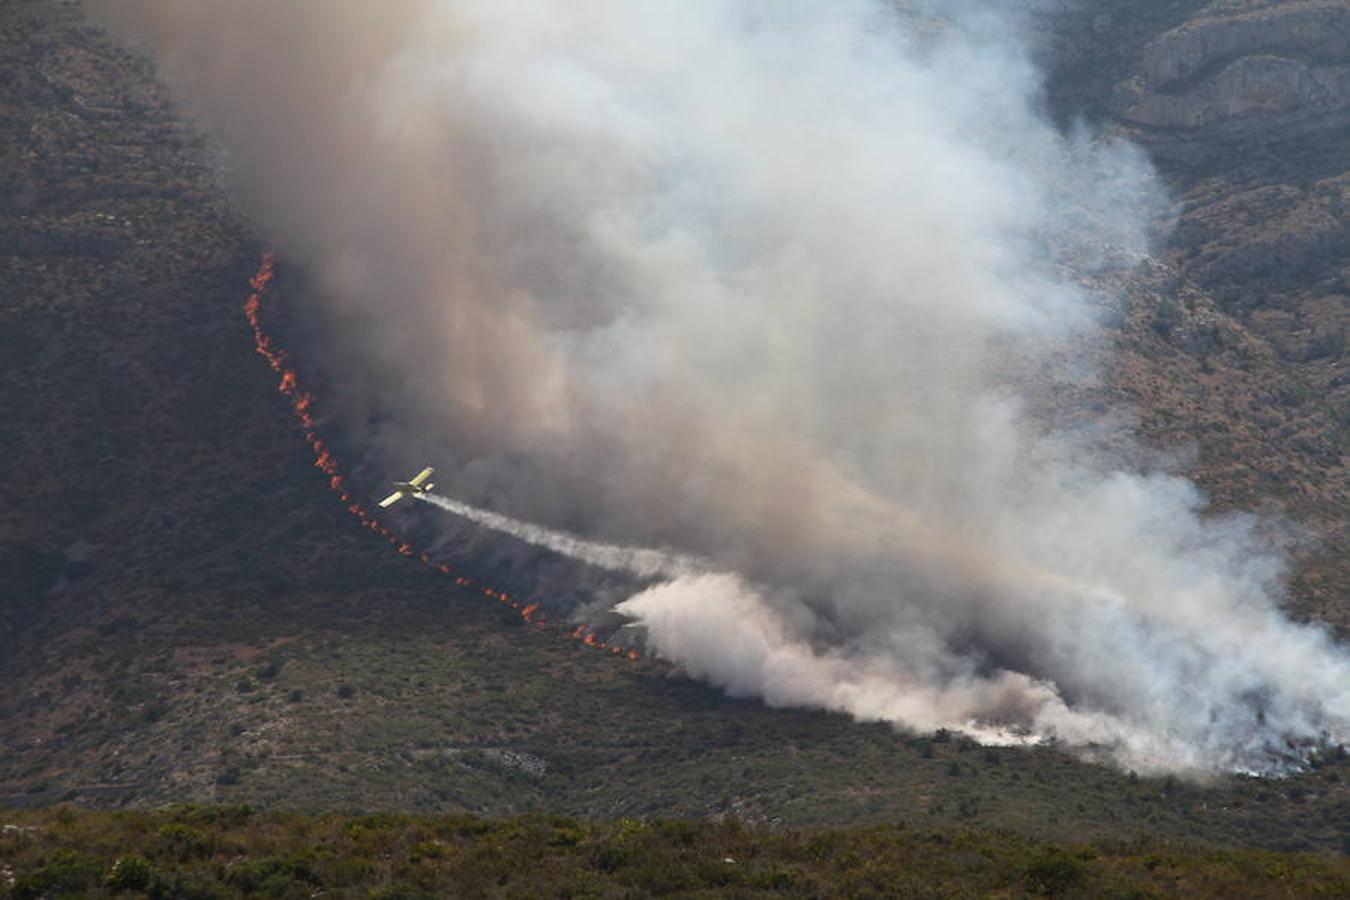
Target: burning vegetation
x,y
302,404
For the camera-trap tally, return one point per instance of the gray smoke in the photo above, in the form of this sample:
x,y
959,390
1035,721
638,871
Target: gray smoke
x,y
788,286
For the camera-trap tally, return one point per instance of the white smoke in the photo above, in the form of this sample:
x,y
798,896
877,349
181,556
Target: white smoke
x,y
724,631
791,286
639,561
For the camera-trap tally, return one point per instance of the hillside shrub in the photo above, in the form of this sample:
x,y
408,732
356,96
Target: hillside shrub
x,y
1052,872
401,892
68,872
281,878
130,873
270,669
181,842
177,854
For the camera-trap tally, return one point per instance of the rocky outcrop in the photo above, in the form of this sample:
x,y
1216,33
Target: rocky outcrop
x,y
1309,30
1271,73
1247,87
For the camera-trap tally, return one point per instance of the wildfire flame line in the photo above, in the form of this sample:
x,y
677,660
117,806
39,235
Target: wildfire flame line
x,y
302,404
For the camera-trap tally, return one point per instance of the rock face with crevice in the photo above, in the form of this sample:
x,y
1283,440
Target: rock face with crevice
x,y
1313,31
1267,74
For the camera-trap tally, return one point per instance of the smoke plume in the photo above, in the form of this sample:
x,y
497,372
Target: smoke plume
x,y
788,286
638,561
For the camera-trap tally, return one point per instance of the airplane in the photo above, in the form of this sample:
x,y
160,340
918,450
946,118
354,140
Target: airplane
x,y
418,484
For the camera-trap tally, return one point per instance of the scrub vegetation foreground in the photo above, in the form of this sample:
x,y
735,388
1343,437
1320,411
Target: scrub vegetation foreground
x,y
233,851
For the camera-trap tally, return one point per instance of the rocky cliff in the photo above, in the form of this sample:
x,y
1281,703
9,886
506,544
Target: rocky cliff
x,y
1266,74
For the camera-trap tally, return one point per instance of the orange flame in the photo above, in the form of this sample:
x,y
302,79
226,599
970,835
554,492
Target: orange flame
x,y
302,404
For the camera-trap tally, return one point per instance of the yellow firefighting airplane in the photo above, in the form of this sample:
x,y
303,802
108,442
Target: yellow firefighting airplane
x,y
418,484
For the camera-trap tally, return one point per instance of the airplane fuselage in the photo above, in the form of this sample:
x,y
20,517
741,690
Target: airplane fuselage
x,y
417,485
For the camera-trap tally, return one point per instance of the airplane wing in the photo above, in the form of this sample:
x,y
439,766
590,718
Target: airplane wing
x,y
421,476
392,499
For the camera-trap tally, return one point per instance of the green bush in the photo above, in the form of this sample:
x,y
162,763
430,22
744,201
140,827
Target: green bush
x,y
1052,872
68,871
400,892
465,826
567,836
427,850
680,833
130,873
189,886
775,879
181,842
346,871
610,856
224,815
273,877
291,855
663,877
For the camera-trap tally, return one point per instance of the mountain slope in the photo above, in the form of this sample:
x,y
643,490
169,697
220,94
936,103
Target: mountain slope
x,y
187,613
